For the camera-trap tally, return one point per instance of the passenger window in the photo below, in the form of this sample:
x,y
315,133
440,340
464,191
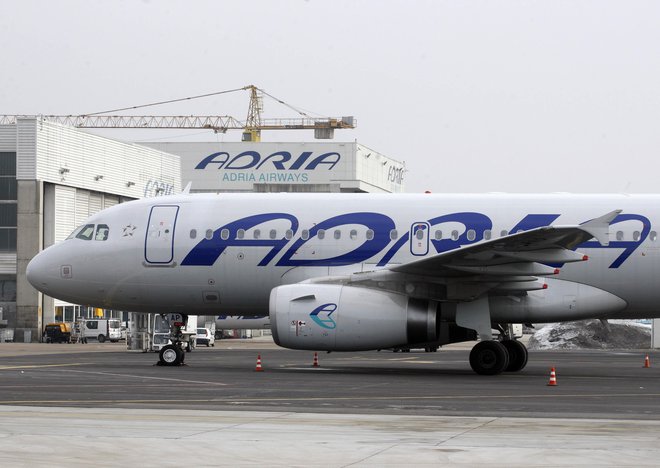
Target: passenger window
x,y
304,234
619,235
419,234
504,233
102,232
438,235
86,232
224,234
653,236
394,234
321,234
256,234
471,235
337,234
454,235
288,234
370,234
209,234
636,235
273,234
353,234
240,234
193,233
487,234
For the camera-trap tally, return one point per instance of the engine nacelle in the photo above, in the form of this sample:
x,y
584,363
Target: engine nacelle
x,y
345,318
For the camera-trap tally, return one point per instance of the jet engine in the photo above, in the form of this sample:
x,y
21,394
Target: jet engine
x,y
345,318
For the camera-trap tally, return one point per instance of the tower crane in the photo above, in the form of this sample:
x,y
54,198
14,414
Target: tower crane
x,y
323,127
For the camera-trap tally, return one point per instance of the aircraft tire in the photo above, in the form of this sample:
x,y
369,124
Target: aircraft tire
x,y
171,355
489,358
518,355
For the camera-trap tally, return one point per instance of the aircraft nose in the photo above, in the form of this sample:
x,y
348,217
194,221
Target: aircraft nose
x,y
41,272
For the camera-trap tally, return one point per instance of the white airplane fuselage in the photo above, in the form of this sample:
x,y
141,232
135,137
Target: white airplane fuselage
x,y
223,254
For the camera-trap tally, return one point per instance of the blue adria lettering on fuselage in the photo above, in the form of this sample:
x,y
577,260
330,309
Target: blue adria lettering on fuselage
x,y
280,161
379,248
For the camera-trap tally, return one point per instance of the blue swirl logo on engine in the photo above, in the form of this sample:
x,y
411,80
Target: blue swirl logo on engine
x,y
321,316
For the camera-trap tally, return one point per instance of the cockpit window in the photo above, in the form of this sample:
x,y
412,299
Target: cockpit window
x,y
102,231
86,233
75,232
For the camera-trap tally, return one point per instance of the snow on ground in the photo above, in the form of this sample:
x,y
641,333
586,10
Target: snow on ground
x,y
592,334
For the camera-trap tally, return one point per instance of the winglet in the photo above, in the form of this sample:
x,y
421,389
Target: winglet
x,y
187,189
600,227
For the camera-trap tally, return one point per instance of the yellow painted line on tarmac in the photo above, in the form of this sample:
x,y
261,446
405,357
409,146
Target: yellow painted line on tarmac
x,y
41,366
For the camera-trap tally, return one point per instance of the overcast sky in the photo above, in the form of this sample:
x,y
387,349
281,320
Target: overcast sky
x,y
474,96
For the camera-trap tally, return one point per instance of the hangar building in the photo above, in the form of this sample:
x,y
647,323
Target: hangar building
x,y
52,177
285,167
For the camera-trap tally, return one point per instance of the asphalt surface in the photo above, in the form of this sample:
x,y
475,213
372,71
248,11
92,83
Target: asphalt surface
x,y
591,384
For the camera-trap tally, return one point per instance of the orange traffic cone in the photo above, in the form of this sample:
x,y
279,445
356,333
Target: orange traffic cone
x,y
647,362
316,360
553,378
258,368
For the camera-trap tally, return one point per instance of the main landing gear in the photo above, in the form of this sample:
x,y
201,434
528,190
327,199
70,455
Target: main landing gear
x,y
493,357
173,354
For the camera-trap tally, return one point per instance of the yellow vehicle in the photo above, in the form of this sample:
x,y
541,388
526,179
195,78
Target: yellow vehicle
x,y
57,333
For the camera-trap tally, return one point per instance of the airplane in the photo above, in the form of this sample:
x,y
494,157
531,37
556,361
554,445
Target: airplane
x,y
356,272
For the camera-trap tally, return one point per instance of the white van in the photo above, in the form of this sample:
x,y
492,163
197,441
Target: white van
x,y
101,329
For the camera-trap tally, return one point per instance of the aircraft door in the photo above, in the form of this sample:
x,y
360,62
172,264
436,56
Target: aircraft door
x,y
159,243
419,238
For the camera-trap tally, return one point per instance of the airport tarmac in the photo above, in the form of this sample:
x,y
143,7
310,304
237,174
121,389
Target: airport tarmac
x,y
357,409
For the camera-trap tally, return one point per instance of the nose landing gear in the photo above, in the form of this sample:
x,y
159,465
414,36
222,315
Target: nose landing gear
x,y
173,354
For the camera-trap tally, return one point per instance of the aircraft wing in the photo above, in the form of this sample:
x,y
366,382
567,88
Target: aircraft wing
x,y
544,245
513,264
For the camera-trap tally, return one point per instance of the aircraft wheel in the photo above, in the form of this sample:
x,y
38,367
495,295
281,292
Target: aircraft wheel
x,y
517,355
171,355
489,358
